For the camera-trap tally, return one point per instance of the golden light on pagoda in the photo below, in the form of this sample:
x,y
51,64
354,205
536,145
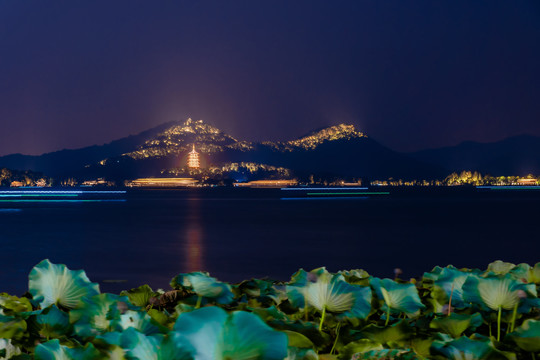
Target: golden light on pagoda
x,y
193,159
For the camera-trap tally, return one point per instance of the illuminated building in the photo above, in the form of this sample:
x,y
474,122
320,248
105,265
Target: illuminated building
x,y
193,159
267,183
162,182
527,181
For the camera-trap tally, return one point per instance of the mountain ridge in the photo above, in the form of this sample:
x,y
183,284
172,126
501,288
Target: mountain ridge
x,y
337,150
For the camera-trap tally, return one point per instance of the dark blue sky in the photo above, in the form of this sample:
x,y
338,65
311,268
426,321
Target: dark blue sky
x,y
411,74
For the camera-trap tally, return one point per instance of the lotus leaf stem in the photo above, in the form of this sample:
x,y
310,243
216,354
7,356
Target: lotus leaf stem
x,y
199,301
306,308
450,300
387,316
322,317
514,315
499,324
533,356
338,327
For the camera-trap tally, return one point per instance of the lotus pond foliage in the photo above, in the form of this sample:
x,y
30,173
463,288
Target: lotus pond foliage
x,y
448,313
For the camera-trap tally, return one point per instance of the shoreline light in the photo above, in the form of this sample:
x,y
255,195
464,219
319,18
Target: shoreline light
x,y
325,188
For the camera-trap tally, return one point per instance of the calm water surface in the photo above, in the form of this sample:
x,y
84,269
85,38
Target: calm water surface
x,y
237,234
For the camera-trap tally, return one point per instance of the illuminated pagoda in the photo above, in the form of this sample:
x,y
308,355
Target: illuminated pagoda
x,y
193,159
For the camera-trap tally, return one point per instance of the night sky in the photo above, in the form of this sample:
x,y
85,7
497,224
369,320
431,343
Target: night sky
x,y
411,74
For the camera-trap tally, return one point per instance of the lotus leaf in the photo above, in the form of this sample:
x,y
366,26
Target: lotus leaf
x,y
398,333
8,349
422,346
499,267
320,339
534,275
333,293
159,317
263,291
11,327
389,354
52,323
98,314
155,347
138,320
205,286
12,304
356,276
527,336
468,349
52,350
139,296
397,297
357,347
493,292
294,353
330,292
449,282
214,334
268,314
456,324
55,284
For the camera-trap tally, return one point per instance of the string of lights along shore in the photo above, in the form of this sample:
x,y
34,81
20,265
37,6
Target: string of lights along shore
x,y
193,159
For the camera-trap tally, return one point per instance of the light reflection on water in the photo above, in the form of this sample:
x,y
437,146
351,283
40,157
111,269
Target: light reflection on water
x,y
194,246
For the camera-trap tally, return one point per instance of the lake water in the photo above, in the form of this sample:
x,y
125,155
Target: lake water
x,y
237,234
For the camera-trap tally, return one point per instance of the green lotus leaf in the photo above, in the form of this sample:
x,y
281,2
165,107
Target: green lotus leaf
x,y
11,327
320,339
527,336
55,284
296,289
154,347
499,267
205,286
456,324
8,350
51,323
398,297
398,333
159,317
389,354
214,334
294,353
329,292
534,274
358,347
139,320
299,280
449,282
494,292
465,348
333,293
52,350
264,291
422,346
268,314
98,314
356,276
298,340
11,304
139,296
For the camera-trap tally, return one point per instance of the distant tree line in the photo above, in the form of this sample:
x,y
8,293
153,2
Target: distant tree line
x,y
464,178
23,178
